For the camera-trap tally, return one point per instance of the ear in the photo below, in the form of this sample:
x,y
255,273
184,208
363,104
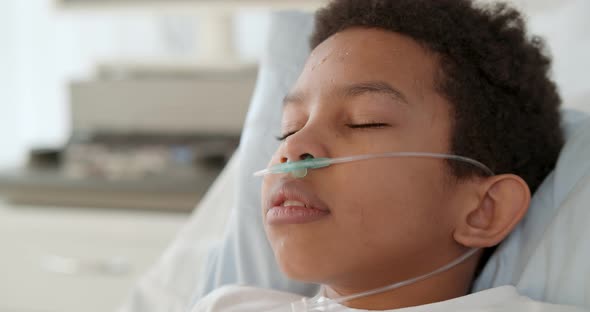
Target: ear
x,y
503,201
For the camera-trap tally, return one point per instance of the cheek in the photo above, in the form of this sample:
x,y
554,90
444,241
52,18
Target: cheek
x,y
265,193
269,180
392,208
380,214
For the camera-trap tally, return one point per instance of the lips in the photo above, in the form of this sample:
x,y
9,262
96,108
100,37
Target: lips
x,y
292,202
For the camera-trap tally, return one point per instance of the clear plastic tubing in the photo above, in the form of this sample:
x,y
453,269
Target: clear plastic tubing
x,y
299,168
323,304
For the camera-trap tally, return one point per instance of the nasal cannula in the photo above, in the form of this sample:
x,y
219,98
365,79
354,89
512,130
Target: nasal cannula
x,y
298,169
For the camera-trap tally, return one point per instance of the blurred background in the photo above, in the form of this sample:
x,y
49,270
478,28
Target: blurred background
x,y
117,115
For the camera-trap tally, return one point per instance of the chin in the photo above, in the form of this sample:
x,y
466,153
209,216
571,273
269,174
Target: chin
x,y
303,265
300,272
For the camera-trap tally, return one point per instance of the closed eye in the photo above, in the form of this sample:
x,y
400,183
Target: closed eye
x,y
352,126
368,125
285,136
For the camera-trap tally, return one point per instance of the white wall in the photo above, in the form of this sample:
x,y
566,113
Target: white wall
x,y
41,49
566,27
8,136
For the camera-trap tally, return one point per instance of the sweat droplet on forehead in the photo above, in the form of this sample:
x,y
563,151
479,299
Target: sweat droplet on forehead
x,y
322,61
343,54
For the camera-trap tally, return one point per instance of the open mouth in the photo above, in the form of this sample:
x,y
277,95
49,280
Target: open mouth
x,y
293,203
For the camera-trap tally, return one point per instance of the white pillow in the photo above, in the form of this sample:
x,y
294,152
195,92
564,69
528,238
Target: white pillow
x,y
547,257
170,283
245,257
197,261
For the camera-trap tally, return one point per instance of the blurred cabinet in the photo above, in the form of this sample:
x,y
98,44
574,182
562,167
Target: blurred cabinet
x,y
147,137
144,99
71,260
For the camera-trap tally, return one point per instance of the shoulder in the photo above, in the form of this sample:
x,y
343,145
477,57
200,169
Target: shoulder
x,y
235,298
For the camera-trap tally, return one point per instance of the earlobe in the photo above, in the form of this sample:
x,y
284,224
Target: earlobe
x,y
504,201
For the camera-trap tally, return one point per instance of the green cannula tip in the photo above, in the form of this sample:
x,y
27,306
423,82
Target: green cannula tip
x,y
301,165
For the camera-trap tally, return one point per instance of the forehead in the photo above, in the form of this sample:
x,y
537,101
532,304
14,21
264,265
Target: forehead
x,y
366,54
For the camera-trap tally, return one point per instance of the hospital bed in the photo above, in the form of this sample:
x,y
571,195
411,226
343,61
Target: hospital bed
x,y
547,257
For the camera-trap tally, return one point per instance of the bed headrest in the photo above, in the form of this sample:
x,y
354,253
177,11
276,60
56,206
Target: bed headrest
x,y
545,257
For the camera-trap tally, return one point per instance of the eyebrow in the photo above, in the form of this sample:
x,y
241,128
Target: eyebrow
x,y
293,97
374,87
353,90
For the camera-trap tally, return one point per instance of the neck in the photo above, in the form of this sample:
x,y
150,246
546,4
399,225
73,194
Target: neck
x,y
446,285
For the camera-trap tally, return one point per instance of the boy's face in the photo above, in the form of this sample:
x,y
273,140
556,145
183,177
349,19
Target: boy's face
x,y
364,91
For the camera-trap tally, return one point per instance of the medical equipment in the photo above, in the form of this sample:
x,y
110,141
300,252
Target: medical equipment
x,y
298,169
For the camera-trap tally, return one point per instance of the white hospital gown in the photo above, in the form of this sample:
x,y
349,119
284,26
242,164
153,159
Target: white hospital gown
x,y
500,299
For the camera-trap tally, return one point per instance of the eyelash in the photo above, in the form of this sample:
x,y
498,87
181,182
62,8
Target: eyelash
x,y
352,126
285,136
368,125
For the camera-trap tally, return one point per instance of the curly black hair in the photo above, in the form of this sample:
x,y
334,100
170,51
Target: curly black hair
x,y
505,106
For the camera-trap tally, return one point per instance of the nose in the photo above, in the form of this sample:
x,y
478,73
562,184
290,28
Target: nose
x,y
304,144
301,157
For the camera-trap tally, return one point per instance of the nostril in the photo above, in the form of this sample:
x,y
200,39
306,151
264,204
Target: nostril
x,y
302,157
306,156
